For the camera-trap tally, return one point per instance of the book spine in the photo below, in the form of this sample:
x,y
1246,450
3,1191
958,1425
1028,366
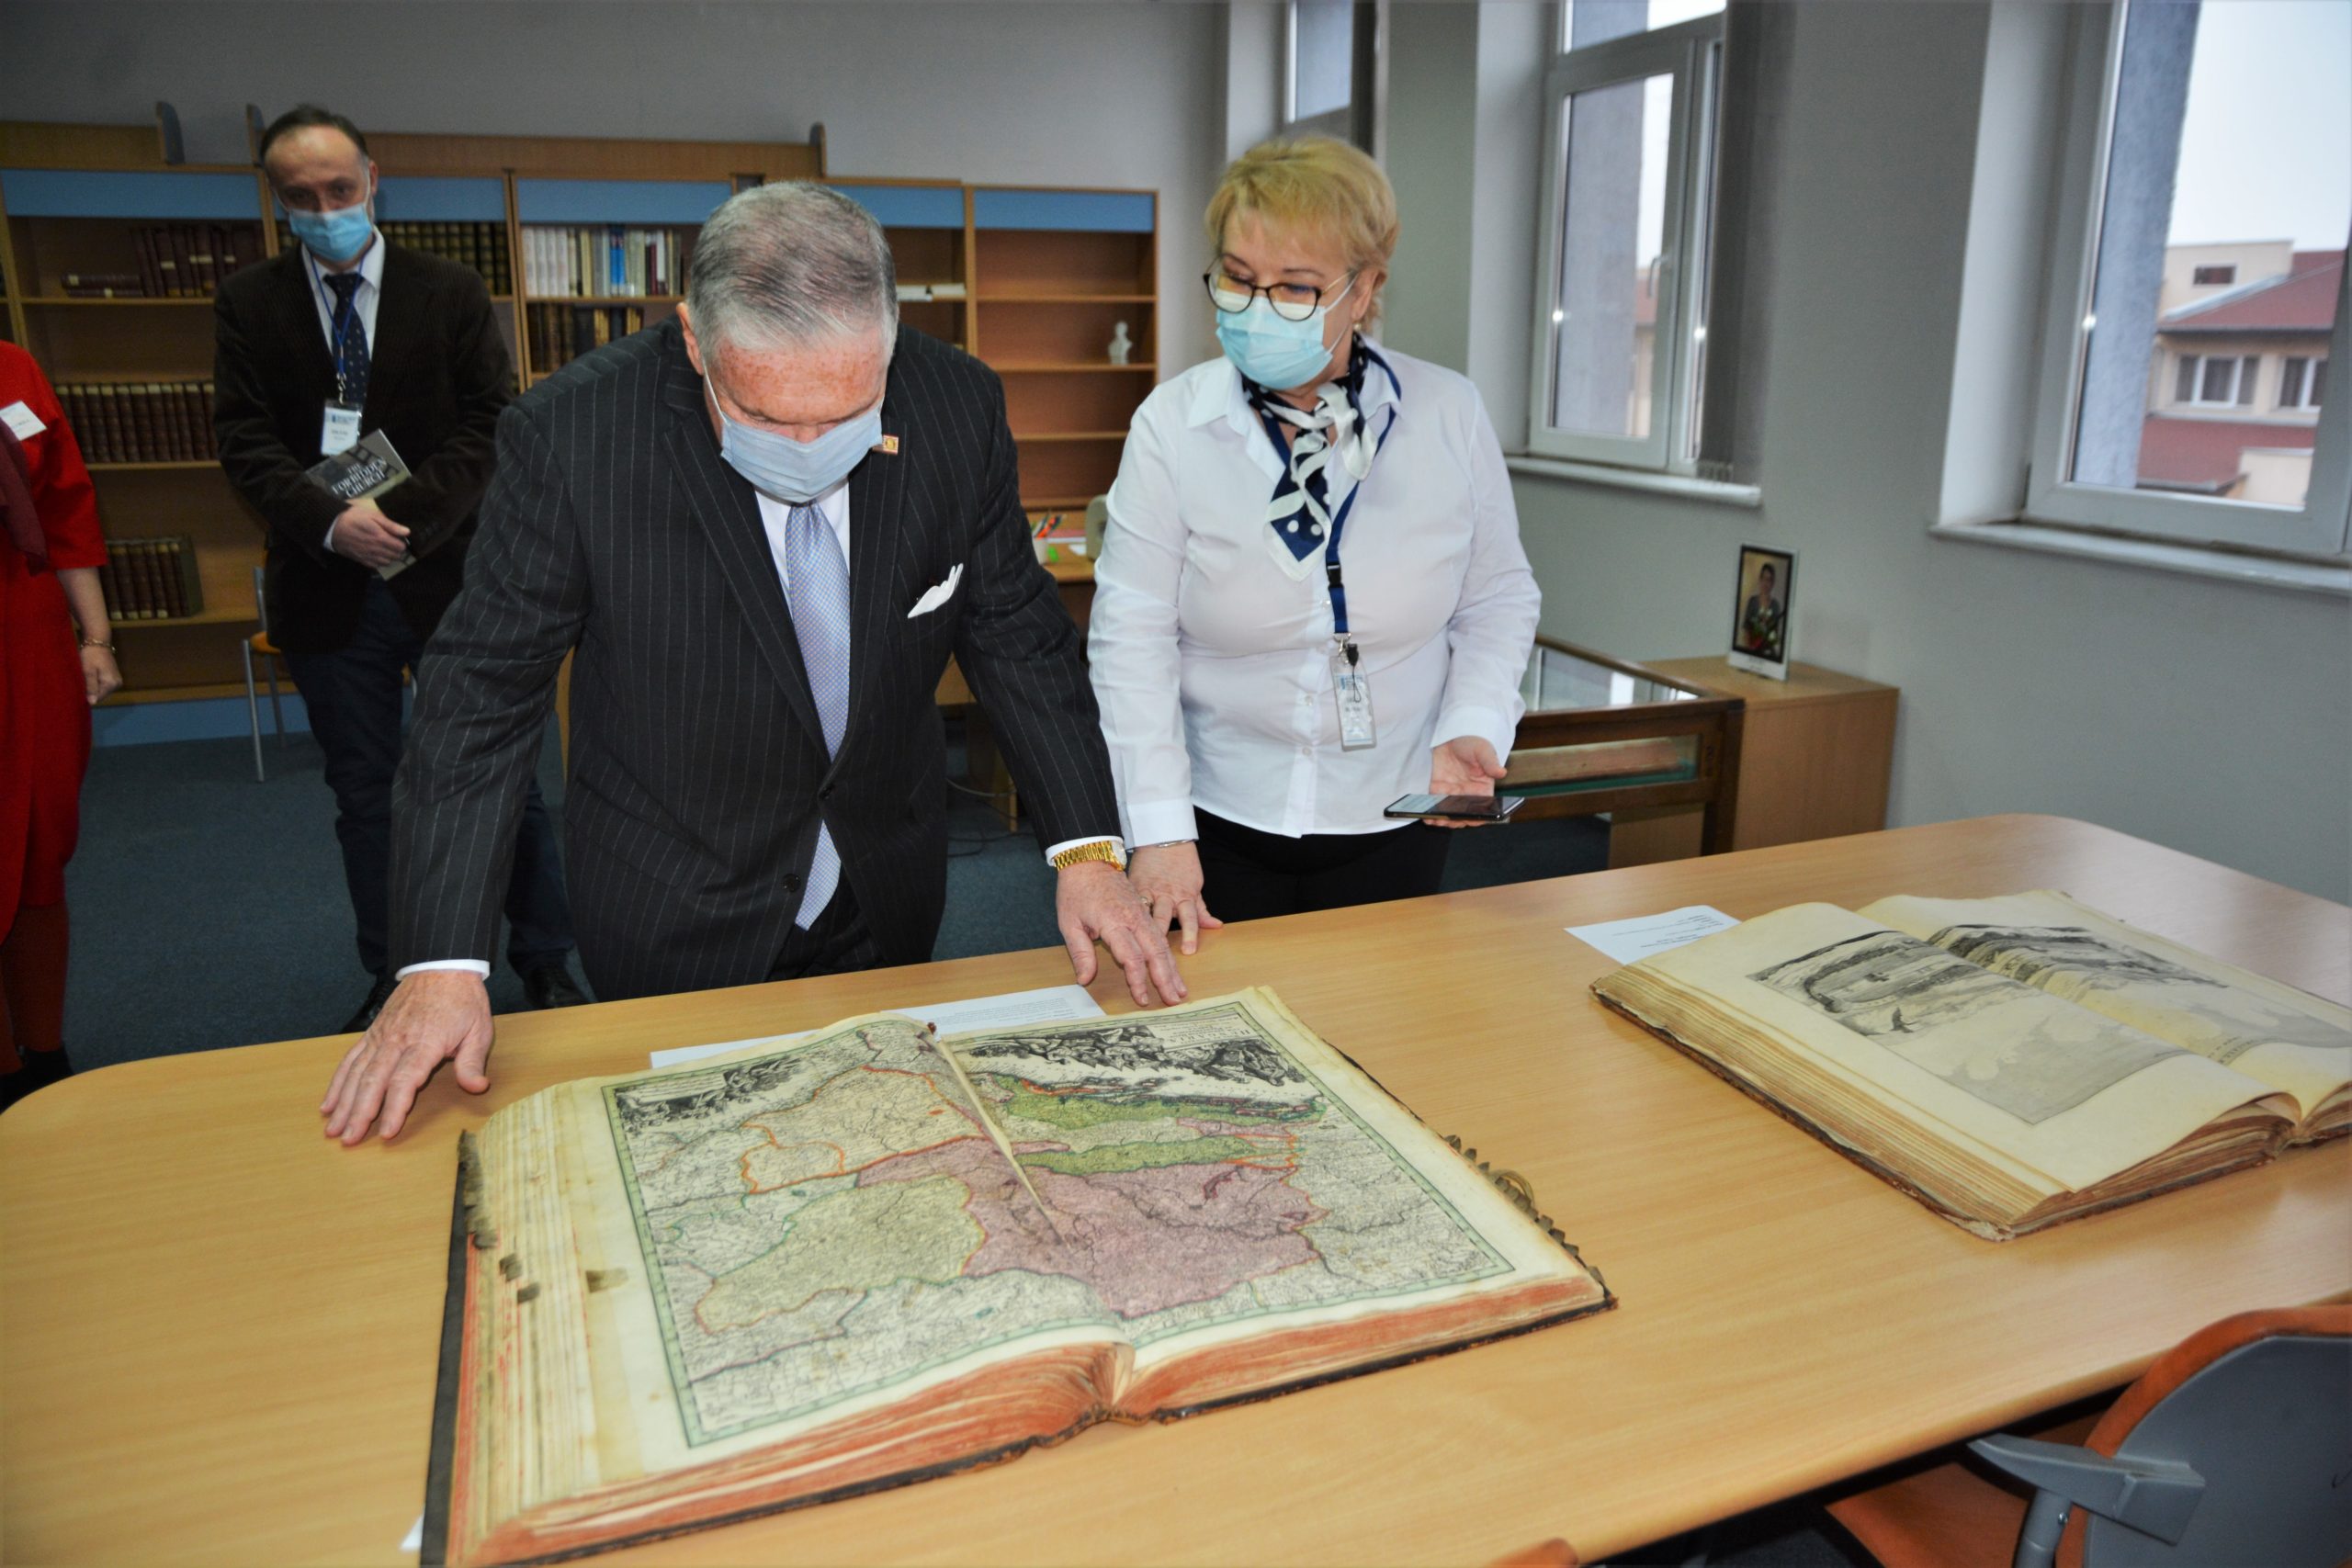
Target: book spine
x,y
191,580
142,575
109,587
118,426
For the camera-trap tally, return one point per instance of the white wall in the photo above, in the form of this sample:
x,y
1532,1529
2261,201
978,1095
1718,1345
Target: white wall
x,y
2212,717
1126,94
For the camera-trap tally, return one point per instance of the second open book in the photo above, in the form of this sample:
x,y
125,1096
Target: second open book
x,y
2012,1062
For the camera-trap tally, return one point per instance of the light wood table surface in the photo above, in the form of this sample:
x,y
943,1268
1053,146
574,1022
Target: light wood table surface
x,y
219,1328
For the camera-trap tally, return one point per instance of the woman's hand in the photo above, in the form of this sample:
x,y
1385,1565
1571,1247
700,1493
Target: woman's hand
x,y
99,674
1464,765
1168,878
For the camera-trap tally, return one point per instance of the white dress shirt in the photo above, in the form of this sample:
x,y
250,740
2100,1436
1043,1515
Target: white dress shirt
x,y
363,299
1211,646
775,517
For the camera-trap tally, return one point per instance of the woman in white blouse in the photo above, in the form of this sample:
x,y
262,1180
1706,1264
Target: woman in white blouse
x,y
1262,704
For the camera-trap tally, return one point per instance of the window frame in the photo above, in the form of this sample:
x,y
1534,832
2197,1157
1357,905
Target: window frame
x,y
2320,527
1690,52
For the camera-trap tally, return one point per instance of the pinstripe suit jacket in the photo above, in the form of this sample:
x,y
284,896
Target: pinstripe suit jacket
x,y
698,770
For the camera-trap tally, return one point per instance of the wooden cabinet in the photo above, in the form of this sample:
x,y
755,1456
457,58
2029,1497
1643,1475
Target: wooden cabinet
x,y
1816,753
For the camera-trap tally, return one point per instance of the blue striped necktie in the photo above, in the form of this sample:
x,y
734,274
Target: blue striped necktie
x,y
350,350
819,588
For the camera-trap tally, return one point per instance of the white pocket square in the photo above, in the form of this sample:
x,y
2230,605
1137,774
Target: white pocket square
x,y
937,595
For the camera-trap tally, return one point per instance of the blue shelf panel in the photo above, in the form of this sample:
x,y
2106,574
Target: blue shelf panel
x,y
1094,211
439,200
100,193
618,201
910,207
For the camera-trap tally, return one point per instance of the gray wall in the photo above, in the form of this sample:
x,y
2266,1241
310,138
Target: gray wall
x,y
2214,718
1105,95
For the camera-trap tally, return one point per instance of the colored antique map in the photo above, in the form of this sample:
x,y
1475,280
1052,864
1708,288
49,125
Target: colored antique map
x,y
838,1217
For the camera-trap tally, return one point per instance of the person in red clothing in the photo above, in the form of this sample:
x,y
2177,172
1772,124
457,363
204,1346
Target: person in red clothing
x,y
50,550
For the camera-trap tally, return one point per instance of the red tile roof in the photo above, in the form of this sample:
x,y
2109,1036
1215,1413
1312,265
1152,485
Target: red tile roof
x,y
2207,454
2303,300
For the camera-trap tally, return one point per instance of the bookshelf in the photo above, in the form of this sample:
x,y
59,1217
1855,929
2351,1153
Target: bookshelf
x,y
1053,274
110,272
1030,279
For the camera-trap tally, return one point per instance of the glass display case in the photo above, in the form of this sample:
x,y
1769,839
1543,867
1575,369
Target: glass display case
x,y
1604,733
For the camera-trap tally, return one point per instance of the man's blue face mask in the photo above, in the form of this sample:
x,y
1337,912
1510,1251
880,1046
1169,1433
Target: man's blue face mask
x,y
335,236
797,472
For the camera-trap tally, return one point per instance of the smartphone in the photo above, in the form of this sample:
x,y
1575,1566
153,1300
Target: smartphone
x,y
1459,808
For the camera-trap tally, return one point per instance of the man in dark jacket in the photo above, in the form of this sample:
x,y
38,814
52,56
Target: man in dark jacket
x,y
344,335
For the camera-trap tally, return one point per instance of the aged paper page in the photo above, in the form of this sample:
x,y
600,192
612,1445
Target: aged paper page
x,y
1219,1170
1987,1061
2269,1030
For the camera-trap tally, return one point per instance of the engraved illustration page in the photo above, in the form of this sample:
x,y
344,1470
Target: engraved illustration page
x,y
1217,1170
1980,1059
2288,1038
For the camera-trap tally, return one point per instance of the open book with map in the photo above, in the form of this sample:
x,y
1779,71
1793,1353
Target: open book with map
x,y
2011,1062
871,1255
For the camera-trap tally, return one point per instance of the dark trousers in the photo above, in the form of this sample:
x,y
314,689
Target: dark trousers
x,y
354,698
1247,874
836,942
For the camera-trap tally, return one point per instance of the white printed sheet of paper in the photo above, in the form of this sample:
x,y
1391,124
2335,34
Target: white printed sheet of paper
x,y
1631,941
1048,1004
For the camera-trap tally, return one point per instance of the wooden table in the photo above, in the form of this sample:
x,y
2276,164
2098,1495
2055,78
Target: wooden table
x,y
219,1328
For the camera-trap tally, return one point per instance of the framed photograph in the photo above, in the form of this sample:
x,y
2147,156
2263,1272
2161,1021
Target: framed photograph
x,y
1760,610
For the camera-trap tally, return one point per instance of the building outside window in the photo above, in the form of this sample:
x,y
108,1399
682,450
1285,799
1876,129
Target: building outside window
x,y
2200,289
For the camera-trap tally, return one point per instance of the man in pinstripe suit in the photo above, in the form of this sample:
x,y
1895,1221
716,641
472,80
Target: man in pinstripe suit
x,y
762,528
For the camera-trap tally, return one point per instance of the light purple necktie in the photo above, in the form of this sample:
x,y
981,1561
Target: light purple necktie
x,y
818,588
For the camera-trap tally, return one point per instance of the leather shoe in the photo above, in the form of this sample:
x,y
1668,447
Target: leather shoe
x,y
378,994
551,985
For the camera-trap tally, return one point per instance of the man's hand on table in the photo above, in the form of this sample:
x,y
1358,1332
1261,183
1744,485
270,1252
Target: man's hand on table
x,y
1096,903
434,1014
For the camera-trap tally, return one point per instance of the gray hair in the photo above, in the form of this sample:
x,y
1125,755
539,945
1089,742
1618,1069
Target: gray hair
x,y
788,264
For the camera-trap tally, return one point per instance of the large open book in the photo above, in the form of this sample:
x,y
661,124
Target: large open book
x,y
2011,1062
873,1256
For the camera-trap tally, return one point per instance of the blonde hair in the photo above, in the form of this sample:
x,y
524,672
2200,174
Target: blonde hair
x,y
1316,184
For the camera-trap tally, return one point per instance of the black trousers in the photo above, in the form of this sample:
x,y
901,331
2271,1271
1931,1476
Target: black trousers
x,y
836,944
353,695
1247,874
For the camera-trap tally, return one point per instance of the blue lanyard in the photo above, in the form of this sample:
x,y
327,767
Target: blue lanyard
x,y
339,314
1331,576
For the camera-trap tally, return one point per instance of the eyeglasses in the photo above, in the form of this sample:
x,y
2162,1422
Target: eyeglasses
x,y
1292,301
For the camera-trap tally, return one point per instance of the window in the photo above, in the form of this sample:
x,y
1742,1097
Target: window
x,y
1619,337
2171,156
2298,382
2216,380
1329,43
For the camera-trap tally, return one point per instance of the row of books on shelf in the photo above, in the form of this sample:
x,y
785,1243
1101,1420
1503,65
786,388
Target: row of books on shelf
x,y
175,261
600,259
134,421
151,579
481,246
561,334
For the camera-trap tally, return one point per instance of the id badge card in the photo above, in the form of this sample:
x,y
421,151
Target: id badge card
x,y
1353,689
339,432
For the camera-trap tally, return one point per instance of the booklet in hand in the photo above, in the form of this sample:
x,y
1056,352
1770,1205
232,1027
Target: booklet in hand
x,y
362,473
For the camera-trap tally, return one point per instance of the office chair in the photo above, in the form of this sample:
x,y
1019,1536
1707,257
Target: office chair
x,y
2234,1447
259,643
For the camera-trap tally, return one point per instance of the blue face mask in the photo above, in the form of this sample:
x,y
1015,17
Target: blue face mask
x,y
1276,354
335,236
797,472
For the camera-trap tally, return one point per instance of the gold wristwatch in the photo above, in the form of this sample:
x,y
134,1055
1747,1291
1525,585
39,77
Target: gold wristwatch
x,y
1103,849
